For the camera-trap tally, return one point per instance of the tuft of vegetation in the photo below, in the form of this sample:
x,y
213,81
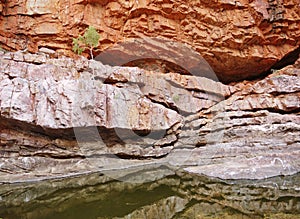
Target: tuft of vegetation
x,y
176,98
117,96
273,70
89,40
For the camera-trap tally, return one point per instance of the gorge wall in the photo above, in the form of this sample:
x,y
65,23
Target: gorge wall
x,y
141,102
65,116
239,39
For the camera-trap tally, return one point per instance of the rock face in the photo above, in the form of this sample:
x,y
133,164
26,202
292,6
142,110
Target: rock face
x,y
61,116
239,39
258,121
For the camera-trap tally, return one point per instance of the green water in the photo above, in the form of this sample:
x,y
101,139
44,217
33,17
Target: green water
x,y
174,196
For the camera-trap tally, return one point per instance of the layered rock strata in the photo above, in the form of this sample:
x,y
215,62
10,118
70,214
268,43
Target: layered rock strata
x,y
61,116
239,39
258,128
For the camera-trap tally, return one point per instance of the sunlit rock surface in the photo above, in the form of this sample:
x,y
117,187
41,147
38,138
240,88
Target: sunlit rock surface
x,y
239,39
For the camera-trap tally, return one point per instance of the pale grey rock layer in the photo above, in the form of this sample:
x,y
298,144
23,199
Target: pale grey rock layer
x,y
61,116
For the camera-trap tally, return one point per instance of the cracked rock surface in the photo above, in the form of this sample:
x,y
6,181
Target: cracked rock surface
x,y
63,116
238,38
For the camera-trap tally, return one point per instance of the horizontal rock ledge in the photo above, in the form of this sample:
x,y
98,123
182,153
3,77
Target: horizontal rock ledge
x,y
63,116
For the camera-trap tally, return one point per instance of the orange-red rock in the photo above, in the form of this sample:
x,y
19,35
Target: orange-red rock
x,y
239,38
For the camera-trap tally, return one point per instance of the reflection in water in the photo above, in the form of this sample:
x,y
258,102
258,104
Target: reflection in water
x,y
175,196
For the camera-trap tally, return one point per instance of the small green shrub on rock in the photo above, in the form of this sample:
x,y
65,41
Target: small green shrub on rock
x,y
89,40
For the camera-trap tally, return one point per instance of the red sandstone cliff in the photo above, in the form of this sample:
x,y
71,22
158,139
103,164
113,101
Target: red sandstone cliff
x,y
239,38
51,108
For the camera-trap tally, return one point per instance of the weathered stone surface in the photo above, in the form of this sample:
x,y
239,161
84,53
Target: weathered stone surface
x,y
257,128
62,98
63,116
239,39
30,93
